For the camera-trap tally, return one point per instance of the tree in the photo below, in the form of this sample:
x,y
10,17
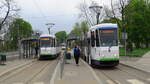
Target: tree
x,y
61,36
138,22
84,27
89,15
76,30
7,8
118,12
80,29
109,20
18,30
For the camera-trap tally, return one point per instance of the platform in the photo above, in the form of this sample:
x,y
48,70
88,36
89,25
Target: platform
x,y
141,63
73,74
14,64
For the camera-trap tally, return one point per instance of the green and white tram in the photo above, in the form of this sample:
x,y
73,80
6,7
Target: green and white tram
x,y
103,45
48,48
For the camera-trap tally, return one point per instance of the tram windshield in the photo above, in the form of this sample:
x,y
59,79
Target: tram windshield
x,y
45,42
108,37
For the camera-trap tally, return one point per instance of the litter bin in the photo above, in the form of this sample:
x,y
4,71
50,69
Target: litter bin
x,y
68,56
2,57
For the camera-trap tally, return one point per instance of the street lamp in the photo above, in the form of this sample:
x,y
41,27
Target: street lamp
x,y
97,10
50,25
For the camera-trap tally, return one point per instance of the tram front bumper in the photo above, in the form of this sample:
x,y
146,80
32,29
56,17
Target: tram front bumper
x,y
105,63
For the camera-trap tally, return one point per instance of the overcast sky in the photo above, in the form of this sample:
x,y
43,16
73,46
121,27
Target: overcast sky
x,y
63,13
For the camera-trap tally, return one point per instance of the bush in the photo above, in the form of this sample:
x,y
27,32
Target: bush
x,y
8,46
135,53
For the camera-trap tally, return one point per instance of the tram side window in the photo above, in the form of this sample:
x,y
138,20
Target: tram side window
x,y
97,39
54,43
51,43
92,39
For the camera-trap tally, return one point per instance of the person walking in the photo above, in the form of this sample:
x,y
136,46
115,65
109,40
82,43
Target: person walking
x,y
77,54
36,50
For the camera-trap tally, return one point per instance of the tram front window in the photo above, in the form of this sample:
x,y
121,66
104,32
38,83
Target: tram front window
x,y
109,37
45,42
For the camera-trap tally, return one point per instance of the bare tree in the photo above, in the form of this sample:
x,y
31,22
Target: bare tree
x,y
7,8
85,13
118,11
89,15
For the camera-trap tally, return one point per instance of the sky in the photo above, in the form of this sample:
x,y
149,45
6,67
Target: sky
x,y
63,13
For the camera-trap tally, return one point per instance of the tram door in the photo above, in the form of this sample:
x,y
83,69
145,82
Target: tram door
x,y
93,48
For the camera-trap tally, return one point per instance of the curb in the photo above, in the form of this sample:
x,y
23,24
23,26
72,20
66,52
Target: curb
x,y
8,58
15,68
93,72
135,68
52,81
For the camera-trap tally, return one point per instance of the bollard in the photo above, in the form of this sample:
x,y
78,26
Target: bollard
x,y
62,62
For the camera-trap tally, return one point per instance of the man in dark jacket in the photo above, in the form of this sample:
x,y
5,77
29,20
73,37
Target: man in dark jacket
x,y
77,54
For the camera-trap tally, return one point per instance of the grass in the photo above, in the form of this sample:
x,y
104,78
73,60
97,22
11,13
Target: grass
x,y
135,53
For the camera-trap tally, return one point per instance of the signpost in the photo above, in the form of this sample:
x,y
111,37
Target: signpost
x,y
125,37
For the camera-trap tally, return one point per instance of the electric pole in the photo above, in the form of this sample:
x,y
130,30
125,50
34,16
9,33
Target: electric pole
x,y
50,25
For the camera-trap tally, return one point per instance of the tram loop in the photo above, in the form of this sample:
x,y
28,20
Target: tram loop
x,y
27,73
122,74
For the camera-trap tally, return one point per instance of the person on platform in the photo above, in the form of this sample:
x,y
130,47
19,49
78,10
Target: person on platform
x,y
77,54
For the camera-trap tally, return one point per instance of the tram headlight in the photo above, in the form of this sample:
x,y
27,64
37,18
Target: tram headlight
x,y
116,55
103,56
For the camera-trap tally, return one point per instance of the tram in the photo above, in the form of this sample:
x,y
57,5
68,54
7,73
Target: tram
x,y
102,47
48,48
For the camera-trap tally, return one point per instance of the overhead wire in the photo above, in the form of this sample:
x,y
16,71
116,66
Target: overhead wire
x,y
40,10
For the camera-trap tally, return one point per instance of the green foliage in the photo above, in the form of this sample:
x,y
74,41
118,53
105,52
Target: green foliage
x,y
61,36
137,19
77,30
80,29
19,29
8,46
84,27
136,52
110,20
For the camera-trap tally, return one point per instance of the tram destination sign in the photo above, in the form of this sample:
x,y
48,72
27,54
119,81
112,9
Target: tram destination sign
x,y
45,39
107,31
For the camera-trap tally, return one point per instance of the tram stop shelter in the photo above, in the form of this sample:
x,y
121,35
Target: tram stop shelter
x,y
71,40
29,48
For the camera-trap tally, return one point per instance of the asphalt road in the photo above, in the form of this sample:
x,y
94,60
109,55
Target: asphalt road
x,y
122,75
40,72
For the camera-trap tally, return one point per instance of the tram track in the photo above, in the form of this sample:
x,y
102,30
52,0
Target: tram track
x,y
132,71
122,75
14,72
37,73
28,73
111,79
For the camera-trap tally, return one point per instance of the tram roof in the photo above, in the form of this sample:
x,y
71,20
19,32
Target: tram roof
x,y
47,35
104,26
